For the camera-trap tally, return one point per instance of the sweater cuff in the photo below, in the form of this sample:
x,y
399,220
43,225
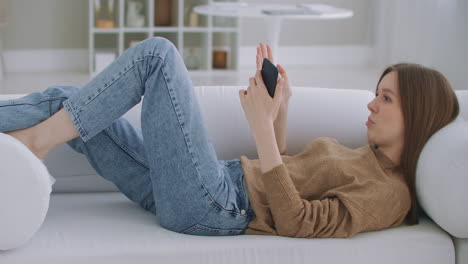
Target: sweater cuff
x,y
279,188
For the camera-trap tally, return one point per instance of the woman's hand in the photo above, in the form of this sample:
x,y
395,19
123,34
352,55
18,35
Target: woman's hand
x,y
264,51
259,108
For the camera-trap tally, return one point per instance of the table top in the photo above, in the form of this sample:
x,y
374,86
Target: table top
x,y
240,9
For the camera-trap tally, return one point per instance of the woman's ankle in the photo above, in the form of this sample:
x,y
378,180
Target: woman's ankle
x,y
27,137
38,146
53,132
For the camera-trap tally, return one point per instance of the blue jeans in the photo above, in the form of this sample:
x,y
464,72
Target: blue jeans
x,y
169,166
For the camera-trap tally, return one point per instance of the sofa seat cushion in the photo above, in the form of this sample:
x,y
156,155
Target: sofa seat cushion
x,y
108,228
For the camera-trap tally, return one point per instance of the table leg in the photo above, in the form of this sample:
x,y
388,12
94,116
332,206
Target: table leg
x,y
273,30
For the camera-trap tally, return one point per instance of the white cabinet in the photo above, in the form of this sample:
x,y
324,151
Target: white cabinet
x,y
205,42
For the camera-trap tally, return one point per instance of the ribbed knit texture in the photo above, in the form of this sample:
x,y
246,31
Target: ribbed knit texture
x,y
327,190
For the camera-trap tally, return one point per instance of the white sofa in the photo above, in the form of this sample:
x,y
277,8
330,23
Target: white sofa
x,y
89,221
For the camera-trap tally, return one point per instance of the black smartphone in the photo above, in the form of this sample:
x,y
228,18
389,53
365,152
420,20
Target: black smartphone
x,y
270,76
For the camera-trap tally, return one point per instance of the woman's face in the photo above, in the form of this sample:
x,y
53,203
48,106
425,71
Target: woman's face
x,y
386,125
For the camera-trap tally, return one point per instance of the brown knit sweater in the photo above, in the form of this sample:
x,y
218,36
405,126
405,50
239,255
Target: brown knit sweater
x,y
327,190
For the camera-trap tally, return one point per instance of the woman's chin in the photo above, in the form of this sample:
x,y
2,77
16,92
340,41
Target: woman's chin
x,y
369,138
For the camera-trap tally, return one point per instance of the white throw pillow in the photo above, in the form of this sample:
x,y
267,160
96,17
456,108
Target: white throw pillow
x,y
25,187
442,178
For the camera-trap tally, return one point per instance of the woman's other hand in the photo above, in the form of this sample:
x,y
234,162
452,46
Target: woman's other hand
x,y
260,109
264,51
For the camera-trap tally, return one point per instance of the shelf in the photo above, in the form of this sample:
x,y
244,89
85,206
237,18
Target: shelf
x,y
224,29
105,31
194,51
125,30
105,13
194,29
164,29
132,38
192,19
196,36
106,41
166,13
172,36
105,50
224,46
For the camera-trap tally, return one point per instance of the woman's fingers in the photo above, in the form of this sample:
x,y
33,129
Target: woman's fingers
x,y
282,71
252,83
241,95
264,50
270,54
258,78
259,62
279,89
259,58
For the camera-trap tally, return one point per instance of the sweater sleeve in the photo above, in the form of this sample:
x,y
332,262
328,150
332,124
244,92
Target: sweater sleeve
x,y
296,217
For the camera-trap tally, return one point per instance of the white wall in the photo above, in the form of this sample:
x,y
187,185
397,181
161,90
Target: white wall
x,y
429,32
46,24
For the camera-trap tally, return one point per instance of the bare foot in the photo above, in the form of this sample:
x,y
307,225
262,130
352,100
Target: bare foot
x,y
25,136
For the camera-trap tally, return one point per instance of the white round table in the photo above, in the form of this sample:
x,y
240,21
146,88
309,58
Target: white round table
x,y
239,9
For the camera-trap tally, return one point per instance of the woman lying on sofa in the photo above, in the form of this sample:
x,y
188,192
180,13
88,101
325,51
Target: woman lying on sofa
x,y
170,167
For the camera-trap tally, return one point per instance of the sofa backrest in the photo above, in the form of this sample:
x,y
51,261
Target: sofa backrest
x,y
313,112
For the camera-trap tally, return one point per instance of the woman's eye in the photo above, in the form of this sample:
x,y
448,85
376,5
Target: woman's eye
x,y
385,97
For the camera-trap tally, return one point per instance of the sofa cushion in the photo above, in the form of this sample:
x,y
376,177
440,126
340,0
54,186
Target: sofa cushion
x,y
313,112
25,187
442,178
109,228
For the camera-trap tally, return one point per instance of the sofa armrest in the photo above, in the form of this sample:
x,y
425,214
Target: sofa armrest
x,y
461,249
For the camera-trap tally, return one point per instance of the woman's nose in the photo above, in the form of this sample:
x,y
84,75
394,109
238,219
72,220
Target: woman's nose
x,y
371,106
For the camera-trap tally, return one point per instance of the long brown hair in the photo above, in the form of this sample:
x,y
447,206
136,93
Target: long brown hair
x,y
428,103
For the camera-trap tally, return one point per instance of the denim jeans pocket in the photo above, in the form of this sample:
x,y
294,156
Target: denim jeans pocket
x,y
202,230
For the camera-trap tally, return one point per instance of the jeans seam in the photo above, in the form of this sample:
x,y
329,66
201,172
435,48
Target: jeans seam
x,y
107,85
245,194
29,102
126,148
150,197
76,120
172,98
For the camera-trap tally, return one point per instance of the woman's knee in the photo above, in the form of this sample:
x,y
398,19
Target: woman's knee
x,y
160,46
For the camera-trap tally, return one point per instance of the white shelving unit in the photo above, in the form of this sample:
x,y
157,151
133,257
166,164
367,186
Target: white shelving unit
x,y
212,33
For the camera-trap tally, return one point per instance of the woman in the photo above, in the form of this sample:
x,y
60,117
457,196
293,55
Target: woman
x,y
170,168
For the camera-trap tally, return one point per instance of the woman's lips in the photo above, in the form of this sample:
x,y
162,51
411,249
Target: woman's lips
x,y
369,122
